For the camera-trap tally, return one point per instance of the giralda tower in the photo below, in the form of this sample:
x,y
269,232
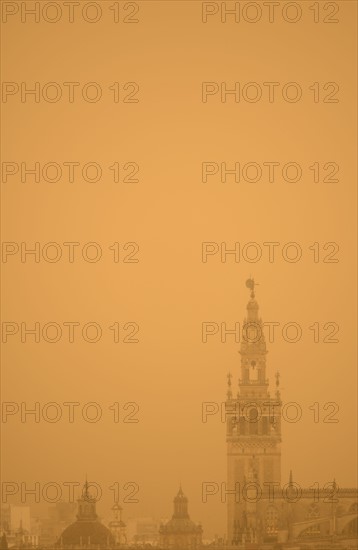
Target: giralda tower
x,y
253,420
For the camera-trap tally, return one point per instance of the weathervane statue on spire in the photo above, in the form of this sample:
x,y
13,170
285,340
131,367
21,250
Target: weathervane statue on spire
x,y
250,283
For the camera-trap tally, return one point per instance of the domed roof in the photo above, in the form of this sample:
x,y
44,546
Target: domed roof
x,y
86,533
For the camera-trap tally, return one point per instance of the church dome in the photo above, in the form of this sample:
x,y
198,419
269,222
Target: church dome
x,y
86,533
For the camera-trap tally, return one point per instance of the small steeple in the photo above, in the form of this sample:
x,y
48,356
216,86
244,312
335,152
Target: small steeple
x,y
85,492
277,376
334,485
229,392
86,505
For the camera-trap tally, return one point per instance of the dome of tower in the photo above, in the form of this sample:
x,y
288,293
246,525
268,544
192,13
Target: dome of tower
x,y
86,533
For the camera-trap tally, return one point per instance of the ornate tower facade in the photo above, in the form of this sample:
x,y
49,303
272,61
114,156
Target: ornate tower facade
x,y
253,420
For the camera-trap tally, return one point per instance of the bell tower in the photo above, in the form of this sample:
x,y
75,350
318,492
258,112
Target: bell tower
x,y
253,431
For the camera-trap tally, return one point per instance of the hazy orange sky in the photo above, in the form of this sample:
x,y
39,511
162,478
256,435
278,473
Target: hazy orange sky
x,y
169,213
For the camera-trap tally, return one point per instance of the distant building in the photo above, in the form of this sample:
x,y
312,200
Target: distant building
x,y
19,517
60,516
180,532
5,519
143,531
18,528
3,542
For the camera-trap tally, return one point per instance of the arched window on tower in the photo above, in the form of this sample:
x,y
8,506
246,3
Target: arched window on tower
x,y
253,371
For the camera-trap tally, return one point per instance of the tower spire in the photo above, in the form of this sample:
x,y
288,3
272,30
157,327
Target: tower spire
x,y
253,350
